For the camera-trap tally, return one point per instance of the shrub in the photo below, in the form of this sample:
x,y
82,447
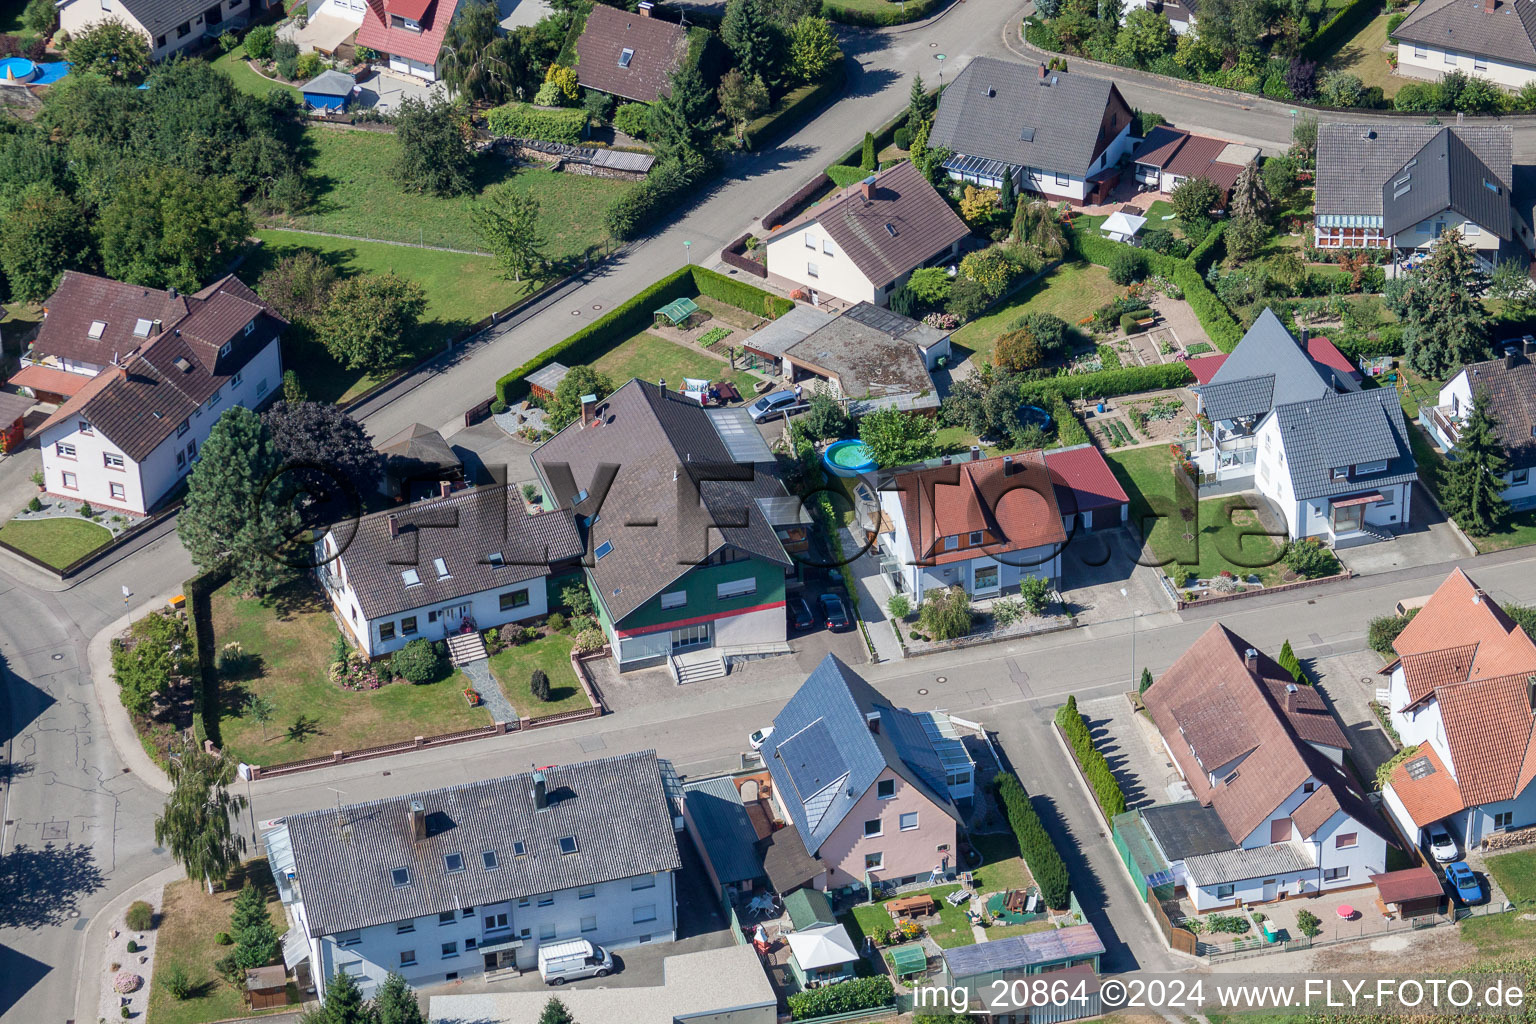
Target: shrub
x,y
86,510
845,997
222,939
633,119
1127,265
1007,610
1383,631
1106,788
590,639
259,40
1106,383
556,622
175,980
576,598
1035,592
1039,853
899,606
1233,924
1309,559
1128,324
133,947
309,65
1146,681
902,138
1308,924
417,662
140,916
538,685
35,505
525,121
946,614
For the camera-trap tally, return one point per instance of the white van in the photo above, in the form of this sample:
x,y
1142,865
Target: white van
x,y
573,959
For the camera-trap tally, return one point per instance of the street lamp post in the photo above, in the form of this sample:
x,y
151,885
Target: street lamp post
x,y
941,58
1134,616
688,253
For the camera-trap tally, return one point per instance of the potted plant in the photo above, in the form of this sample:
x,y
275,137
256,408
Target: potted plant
x,y
37,478
472,696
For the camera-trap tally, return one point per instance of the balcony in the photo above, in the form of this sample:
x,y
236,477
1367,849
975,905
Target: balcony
x,y
1443,423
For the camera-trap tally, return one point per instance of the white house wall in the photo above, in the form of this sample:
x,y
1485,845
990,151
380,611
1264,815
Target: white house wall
x,y
764,626
792,255
79,15
1429,62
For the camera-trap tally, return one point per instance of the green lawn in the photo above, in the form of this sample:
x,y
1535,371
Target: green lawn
x,y
1157,211
953,928
291,634
233,64
1073,291
461,290
650,357
1001,866
190,918
514,666
1516,875
1500,935
57,542
1219,543
356,196
1361,55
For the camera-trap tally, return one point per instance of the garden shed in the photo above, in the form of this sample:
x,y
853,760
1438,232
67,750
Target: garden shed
x,y
821,954
330,90
1412,892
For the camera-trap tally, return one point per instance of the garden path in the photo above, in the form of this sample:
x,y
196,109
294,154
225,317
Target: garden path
x,y
479,673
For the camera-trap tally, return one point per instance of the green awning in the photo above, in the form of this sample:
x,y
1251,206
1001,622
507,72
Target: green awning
x,y
909,958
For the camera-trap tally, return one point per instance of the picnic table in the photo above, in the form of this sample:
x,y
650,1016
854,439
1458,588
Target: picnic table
x,y
909,905
958,897
727,391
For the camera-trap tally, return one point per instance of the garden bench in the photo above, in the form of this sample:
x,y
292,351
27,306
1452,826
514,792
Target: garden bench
x,y
958,897
1147,321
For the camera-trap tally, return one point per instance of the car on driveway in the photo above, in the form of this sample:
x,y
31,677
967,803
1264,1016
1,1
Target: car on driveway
x,y
800,617
758,738
1442,847
1468,888
771,407
835,611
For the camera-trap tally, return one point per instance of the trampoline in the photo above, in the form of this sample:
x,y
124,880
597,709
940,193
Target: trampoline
x,y
909,959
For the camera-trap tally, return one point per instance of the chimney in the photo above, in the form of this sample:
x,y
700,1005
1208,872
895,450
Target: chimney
x,y
444,488
645,8
172,292
588,410
867,187
418,816
1007,465
540,793
946,461
1251,659
1477,596
1489,6
1042,71
1306,336
873,719
1290,698
394,525
1511,360
1530,345
975,453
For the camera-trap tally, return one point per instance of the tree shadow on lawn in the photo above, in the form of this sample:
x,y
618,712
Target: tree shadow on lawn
x,y
296,596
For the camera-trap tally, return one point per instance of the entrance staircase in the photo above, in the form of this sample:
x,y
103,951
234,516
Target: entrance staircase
x,y
697,666
464,648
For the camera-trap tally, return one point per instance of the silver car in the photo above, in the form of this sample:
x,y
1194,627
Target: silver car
x,y
771,406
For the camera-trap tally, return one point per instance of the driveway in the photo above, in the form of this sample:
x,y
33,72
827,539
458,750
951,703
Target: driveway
x,y
1429,538
517,13
1097,565
1134,751
1347,682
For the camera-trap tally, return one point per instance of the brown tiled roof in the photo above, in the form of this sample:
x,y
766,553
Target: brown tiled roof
x,y
1425,671
464,530
902,226
50,379
1488,729
1511,387
1431,796
1184,153
659,47
1211,709
83,298
141,401
1418,883
1458,614
1018,507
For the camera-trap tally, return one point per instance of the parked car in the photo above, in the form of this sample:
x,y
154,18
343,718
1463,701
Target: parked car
x,y
835,612
572,960
1468,888
758,738
1442,847
799,611
771,406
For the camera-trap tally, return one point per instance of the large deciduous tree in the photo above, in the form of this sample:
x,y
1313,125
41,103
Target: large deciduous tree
x,y
565,406
478,60
196,823
742,99
896,438
507,221
237,514
322,434
1192,200
812,49
158,650
298,286
1444,322
368,317
434,157
1146,36
172,229
111,49
1474,485
41,236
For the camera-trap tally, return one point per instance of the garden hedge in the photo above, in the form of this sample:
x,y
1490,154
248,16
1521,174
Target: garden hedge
x,y
1035,844
635,314
205,692
1106,788
1207,252
1069,429
793,109
1106,383
1339,28
890,14
844,997
547,124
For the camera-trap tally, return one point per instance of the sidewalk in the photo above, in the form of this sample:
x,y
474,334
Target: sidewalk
x,y
873,592
125,740
91,978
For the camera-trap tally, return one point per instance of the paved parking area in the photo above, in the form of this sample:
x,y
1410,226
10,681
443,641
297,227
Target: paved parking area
x,y
1097,565
1348,683
1428,539
1134,751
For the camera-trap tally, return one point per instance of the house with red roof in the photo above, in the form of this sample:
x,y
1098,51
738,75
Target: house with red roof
x,y
407,34
1087,493
1460,689
1170,156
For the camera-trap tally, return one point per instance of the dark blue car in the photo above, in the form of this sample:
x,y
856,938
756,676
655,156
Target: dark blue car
x,y
1468,888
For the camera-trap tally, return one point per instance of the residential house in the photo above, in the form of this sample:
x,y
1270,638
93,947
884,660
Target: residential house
x,y
144,374
1181,14
1511,386
468,561
1492,39
1087,493
406,34
1460,690
712,986
871,790
679,509
1170,156
1274,812
449,883
169,26
1333,460
864,242
872,358
1400,186
765,348
628,54
1059,135
983,525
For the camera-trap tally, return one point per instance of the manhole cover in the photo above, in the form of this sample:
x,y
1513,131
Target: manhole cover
x,y
941,679
596,306
922,693
58,657
73,914
575,312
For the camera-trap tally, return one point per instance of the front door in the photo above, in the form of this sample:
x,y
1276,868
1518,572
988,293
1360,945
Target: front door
x,y
1271,889
490,961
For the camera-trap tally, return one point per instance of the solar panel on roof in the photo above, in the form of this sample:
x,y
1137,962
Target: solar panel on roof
x,y
812,759
1420,768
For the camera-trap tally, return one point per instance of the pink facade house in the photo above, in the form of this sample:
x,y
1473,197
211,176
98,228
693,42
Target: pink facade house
x,y
871,790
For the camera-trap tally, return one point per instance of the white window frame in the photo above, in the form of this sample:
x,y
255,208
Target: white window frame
x,y
1419,52
905,825
589,924
1340,844
826,247
674,599
1503,821
1367,468
736,588
811,270
874,861
1226,891
71,481
642,882
810,240
879,824
117,491
65,450
112,460
1336,874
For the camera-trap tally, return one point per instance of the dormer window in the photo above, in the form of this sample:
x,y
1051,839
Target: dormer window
x,y
1367,468
495,559
411,578
98,328
1341,472
227,347
625,56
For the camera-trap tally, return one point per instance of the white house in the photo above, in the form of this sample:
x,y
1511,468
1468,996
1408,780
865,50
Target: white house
x,y
1460,690
1511,386
863,243
469,561
150,371
1492,39
1181,14
449,883
1333,460
1274,813
1056,134
168,25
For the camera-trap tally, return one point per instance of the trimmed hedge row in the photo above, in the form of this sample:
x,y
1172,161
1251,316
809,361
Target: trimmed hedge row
x,y
635,314
1035,844
546,124
1069,429
844,997
1338,28
1206,252
1106,383
892,14
205,685
793,109
1220,326
1106,788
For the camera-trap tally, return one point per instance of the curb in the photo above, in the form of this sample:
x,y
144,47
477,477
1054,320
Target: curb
x,y
125,740
87,980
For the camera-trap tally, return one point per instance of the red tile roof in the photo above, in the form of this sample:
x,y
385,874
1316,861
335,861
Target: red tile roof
x,y
1420,883
658,48
1205,367
1431,796
1488,731
1083,480
377,34
1325,352
1192,156
1013,499
50,379
1459,615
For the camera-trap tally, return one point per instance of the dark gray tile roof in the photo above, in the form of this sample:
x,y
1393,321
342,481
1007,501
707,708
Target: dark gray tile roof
x,y
160,16
729,838
616,808
1508,34
1238,399
330,82
464,529
1355,162
1445,174
1268,367
1511,386
823,756
1187,829
657,48
1004,111
658,446
1345,430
